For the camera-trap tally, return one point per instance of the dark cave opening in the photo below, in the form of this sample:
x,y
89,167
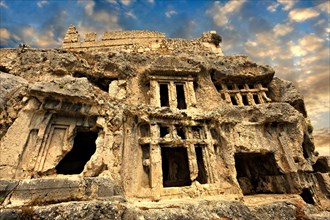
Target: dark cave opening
x,y
307,196
83,148
252,171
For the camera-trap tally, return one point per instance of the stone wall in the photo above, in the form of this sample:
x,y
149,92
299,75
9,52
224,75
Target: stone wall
x,y
139,41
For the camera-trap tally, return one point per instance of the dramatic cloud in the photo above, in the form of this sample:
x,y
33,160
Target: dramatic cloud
x,y
302,14
36,38
305,45
98,19
221,13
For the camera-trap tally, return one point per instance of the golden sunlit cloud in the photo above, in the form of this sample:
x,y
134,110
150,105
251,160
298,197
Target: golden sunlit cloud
x,y
4,33
302,14
221,13
282,29
322,141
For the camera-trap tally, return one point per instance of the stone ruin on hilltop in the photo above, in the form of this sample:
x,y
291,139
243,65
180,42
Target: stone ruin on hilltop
x,y
137,115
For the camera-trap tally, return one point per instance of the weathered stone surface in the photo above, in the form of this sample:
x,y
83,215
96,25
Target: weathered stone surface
x,y
159,123
49,191
284,91
285,208
238,69
68,87
12,92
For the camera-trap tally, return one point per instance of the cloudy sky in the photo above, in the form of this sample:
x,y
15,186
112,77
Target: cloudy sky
x,y
290,35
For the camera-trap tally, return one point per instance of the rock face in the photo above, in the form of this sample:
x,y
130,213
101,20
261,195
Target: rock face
x,y
143,124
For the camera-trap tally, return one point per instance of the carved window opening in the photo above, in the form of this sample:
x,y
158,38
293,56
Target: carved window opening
x,y
180,131
198,132
180,96
233,100
245,99
164,95
243,94
202,174
240,86
175,166
83,148
163,131
253,169
176,92
256,99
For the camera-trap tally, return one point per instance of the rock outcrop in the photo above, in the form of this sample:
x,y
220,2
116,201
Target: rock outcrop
x,y
148,127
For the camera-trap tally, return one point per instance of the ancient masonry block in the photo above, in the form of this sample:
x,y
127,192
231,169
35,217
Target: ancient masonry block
x,y
143,116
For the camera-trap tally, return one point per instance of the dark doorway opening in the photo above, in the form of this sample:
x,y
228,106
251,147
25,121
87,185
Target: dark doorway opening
x,y
83,148
307,196
202,175
164,99
175,167
180,96
254,170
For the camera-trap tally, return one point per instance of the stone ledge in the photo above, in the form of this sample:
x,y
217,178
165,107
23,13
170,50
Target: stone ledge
x,y
55,190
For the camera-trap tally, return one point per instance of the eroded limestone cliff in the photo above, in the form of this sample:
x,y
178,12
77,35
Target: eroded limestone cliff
x,y
147,127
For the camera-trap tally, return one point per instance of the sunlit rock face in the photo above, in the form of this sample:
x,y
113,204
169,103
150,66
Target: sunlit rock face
x,y
135,121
